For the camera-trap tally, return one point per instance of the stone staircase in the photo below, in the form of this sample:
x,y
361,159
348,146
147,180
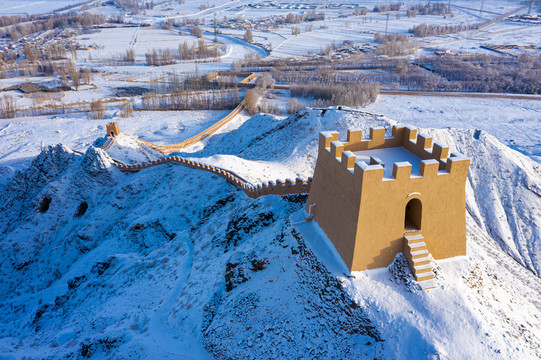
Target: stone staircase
x,y
419,260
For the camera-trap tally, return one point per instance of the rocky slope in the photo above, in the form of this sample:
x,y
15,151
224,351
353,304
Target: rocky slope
x,y
171,262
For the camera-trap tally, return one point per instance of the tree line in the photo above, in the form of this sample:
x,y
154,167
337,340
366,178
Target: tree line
x,y
299,18
183,52
439,9
395,44
424,30
386,8
355,95
56,21
223,99
483,73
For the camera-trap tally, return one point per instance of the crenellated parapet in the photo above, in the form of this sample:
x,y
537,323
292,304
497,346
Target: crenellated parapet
x,y
433,158
278,187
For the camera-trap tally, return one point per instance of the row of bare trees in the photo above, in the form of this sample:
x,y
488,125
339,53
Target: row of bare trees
x,y
479,73
395,44
57,21
172,82
434,8
388,7
309,16
96,108
25,68
184,52
223,99
484,73
358,94
14,20
33,53
424,30
133,6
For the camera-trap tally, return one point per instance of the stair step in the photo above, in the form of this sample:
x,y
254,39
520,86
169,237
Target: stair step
x,y
427,284
419,259
423,261
424,277
419,254
419,272
415,245
414,238
422,266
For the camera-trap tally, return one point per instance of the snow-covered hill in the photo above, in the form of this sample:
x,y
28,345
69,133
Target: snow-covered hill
x,y
503,189
172,262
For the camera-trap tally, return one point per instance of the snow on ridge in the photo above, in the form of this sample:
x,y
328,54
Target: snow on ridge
x,y
174,262
503,186
502,192
141,272
130,150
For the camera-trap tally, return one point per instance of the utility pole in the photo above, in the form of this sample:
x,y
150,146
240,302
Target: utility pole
x,y
215,30
387,24
481,9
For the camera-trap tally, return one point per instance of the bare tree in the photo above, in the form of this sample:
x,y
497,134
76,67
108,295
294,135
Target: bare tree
x,y
29,53
248,36
126,110
196,31
8,108
87,76
97,109
251,100
129,56
294,105
75,76
266,81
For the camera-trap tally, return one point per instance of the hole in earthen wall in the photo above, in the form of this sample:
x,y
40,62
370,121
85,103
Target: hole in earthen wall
x,y
44,204
81,210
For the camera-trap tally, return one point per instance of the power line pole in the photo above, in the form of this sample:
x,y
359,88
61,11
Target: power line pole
x,y
481,9
387,24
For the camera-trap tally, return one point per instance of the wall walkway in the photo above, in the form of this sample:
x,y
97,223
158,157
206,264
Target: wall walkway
x,y
168,149
278,187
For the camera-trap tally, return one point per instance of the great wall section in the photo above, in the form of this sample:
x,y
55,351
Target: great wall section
x,y
167,149
273,187
338,219
278,187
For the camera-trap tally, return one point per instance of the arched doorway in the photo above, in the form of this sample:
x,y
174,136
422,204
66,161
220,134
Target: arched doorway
x,y
412,221
112,133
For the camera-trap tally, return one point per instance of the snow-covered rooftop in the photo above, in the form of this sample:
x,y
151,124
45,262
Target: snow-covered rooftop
x,y
389,156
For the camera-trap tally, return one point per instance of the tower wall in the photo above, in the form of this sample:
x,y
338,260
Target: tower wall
x,y
363,213
112,129
339,197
